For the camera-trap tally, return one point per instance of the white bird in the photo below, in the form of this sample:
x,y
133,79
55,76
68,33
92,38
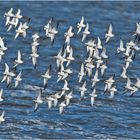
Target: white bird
x,y
121,48
85,32
2,119
68,97
70,57
83,89
112,92
138,29
24,28
96,54
65,88
56,96
95,78
89,67
92,96
35,37
109,82
80,25
34,57
127,50
50,100
90,45
109,34
38,100
129,85
19,31
51,33
60,59
98,63
47,27
128,60
99,44
8,15
11,24
103,54
137,84
103,68
68,35
1,92
123,74
18,60
18,79
81,73
61,107
2,44
46,77
7,75
18,16
1,54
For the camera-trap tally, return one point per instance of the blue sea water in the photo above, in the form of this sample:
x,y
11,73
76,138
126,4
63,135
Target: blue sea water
x,y
108,119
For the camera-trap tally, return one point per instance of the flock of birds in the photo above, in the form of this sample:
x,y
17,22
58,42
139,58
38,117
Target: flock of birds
x,y
94,66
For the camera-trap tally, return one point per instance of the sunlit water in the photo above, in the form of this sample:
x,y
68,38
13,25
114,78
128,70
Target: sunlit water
x,y
117,118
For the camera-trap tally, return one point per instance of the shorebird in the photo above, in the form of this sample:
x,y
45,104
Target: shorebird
x,y
11,23
90,45
137,84
121,48
96,54
1,54
81,73
99,44
98,63
2,119
109,82
85,32
68,97
83,89
18,16
103,54
52,32
47,76
50,100
89,67
92,96
47,26
38,101
61,107
34,57
7,75
128,60
35,37
65,88
95,78
56,96
109,34
68,35
103,68
2,44
137,34
70,57
19,31
123,74
60,59
1,93
80,25
18,60
112,92
8,15
18,79
130,87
